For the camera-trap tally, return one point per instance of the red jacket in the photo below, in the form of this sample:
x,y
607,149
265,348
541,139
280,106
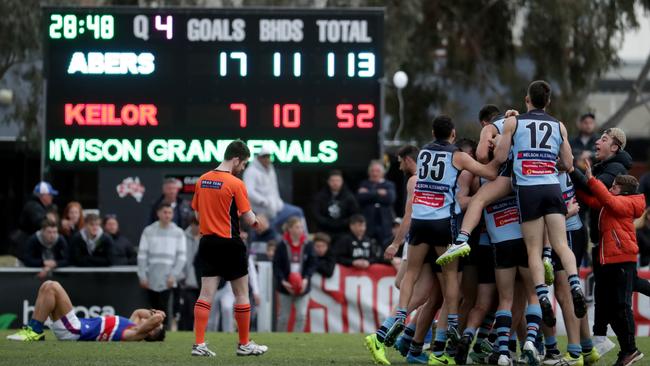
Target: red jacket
x,y
615,222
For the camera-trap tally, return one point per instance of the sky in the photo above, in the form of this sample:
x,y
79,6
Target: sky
x,y
636,44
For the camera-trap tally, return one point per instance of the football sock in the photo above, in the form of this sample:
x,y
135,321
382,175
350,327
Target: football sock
x,y
400,314
574,282
503,323
37,326
452,320
409,332
381,332
512,342
533,318
550,343
416,348
440,342
243,319
201,315
587,345
574,350
470,332
492,338
542,291
462,237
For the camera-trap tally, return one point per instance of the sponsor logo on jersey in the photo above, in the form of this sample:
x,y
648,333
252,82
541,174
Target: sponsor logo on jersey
x,y
536,167
211,184
434,200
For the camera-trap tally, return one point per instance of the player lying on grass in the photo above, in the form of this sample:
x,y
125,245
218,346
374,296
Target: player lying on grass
x,y
53,302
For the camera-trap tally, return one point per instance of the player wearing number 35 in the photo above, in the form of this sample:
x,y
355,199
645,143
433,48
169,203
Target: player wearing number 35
x,y
433,222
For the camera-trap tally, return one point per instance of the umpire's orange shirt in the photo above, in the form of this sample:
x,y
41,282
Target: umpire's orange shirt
x,y
219,198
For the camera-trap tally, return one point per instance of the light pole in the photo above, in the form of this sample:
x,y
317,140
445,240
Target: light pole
x,y
400,80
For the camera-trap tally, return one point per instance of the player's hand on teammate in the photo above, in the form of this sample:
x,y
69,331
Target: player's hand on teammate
x,y
144,284
512,113
360,263
391,250
573,207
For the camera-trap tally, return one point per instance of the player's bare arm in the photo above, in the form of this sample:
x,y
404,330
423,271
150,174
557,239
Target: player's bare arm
x,y
483,149
566,156
390,251
145,328
465,182
505,141
463,161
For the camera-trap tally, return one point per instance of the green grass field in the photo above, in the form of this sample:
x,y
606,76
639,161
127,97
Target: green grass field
x,y
284,349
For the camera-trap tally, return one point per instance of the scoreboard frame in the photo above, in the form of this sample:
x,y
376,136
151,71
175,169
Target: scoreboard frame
x,y
308,118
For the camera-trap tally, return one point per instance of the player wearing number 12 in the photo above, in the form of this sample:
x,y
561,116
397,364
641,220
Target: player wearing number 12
x,y
220,199
537,139
433,222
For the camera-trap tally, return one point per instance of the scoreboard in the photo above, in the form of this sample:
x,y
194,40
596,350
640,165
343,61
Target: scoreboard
x,y
173,86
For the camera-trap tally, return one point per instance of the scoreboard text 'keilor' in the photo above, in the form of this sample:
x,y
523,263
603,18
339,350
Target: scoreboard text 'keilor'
x,y
173,86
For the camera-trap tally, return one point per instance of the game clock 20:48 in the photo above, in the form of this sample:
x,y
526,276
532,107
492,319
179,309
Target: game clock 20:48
x,y
70,26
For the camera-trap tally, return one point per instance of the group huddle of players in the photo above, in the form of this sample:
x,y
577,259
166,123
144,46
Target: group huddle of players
x,y
480,236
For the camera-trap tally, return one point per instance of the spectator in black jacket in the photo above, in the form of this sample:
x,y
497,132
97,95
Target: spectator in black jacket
x,y
124,252
91,247
326,260
356,249
376,198
294,263
182,209
46,249
611,160
333,206
36,208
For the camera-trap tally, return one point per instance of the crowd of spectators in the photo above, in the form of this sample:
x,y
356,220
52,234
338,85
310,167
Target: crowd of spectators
x,y
351,227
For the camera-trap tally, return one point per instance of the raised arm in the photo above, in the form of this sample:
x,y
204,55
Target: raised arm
x,y
505,141
566,156
463,161
483,149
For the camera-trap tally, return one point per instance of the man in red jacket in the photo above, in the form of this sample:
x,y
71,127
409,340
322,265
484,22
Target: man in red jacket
x,y
617,255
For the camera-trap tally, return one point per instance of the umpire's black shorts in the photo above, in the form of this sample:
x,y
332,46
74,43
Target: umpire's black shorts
x,y
223,257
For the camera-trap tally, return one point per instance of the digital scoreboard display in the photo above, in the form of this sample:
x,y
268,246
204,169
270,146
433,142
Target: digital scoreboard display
x,y
173,86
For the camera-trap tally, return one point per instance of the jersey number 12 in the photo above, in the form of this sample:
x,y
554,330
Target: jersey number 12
x,y
544,126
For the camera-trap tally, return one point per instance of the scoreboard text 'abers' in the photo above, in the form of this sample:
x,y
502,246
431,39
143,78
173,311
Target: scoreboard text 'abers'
x,y
175,85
